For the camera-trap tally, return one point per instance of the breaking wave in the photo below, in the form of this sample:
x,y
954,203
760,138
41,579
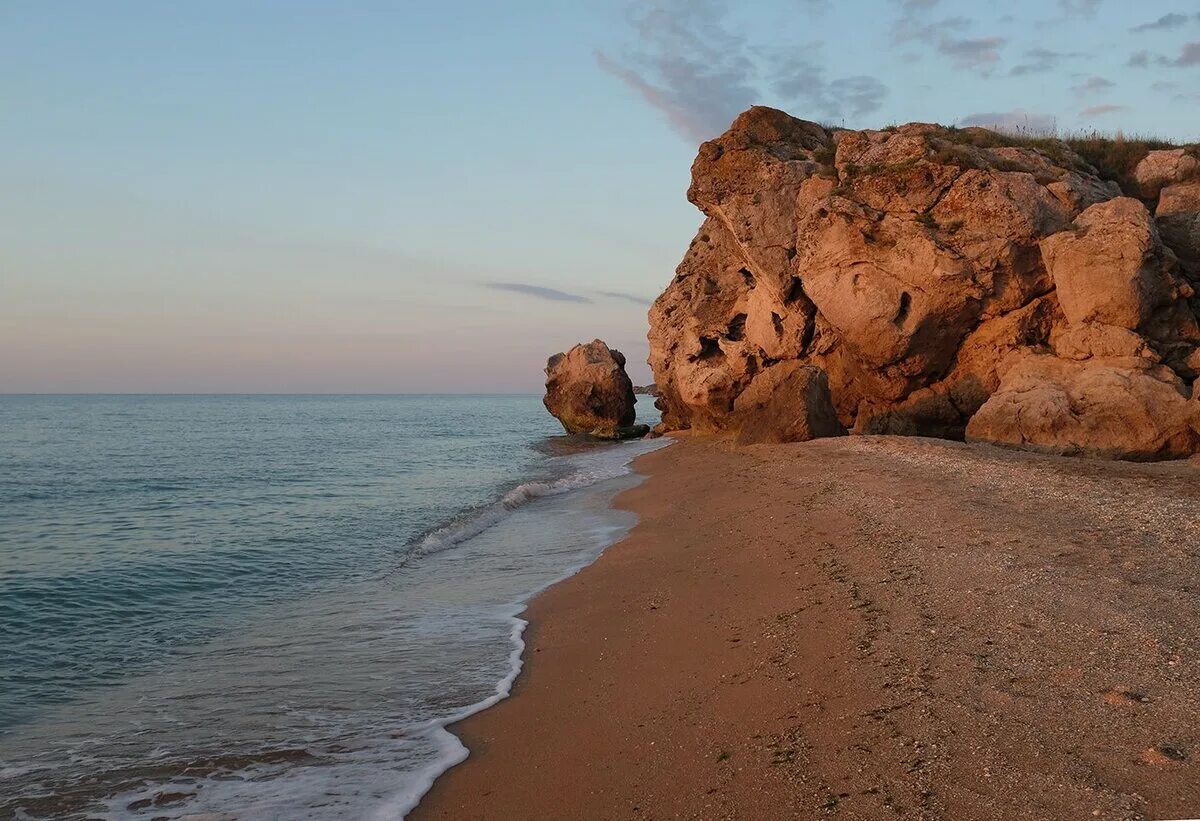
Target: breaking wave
x,y
591,469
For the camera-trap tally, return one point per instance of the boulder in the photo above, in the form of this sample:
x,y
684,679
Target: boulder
x,y
788,402
588,391
1110,266
1159,169
1178,216
1118,408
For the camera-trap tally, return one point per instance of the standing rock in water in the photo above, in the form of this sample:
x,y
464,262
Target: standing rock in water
x,y
588,391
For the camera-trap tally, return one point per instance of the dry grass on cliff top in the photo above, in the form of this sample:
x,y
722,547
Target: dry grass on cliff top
x,y
1115,156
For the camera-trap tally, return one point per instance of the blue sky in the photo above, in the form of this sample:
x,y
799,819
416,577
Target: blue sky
x,y
410,196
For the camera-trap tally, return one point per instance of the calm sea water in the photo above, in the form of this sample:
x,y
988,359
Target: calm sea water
x,y
269,607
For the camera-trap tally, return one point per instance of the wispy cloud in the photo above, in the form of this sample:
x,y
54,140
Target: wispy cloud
x,y
1041,60
536,291
977,54
1079,8
1093,85
1013,120
1189,56
638,300
803,80
947,34
1100,110
1167,21
686,63
913,26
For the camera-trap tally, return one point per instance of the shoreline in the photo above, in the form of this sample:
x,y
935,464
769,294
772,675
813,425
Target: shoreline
x,y
441,731
866,627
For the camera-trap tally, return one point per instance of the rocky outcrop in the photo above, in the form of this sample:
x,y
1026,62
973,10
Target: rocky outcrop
x,y
910,270
1169,181
588,391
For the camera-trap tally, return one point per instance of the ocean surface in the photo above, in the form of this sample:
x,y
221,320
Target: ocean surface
x,y
270,606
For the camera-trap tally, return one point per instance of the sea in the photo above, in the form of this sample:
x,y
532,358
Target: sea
x,y
272,607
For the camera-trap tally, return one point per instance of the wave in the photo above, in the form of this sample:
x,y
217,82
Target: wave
x,y
476,521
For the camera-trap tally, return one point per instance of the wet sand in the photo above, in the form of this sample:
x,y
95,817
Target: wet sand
x,y
862,628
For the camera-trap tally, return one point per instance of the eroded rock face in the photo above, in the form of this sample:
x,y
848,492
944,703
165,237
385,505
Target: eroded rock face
x,y
787,403
1178,216
588,391
909,265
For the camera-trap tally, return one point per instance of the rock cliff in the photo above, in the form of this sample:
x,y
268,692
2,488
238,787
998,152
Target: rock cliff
x,y
944,282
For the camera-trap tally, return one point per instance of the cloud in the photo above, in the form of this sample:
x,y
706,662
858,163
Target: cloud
x,y
1041,60
1100,110
639,300
802,79
974,53
1093,84
858,95
1017,119
909,27
1189,56
1081,8
536,291
1167,21
685,63
978,54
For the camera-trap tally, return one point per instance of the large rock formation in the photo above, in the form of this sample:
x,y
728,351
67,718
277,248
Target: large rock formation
x,y
588,391
929,272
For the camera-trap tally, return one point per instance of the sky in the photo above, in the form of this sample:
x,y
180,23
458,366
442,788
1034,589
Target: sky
x,y
410,196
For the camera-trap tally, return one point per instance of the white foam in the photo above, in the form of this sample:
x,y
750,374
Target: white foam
x,y
598,468
452,750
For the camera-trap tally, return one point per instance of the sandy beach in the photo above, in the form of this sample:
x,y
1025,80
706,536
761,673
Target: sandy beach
x,y
866,628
